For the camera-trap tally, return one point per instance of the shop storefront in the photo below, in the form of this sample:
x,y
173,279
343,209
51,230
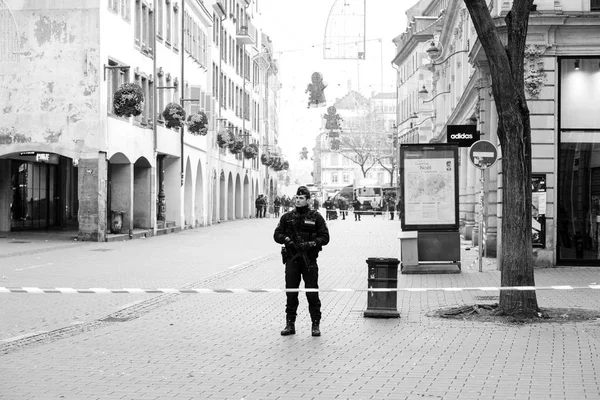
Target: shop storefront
x,y
43,191
578,185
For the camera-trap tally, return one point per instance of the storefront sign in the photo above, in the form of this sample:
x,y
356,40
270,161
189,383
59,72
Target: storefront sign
x,y
462,135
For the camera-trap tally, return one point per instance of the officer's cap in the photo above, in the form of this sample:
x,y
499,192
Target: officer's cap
x,y
303,191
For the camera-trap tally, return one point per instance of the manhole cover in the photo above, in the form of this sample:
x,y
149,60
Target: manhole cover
x,y
101,250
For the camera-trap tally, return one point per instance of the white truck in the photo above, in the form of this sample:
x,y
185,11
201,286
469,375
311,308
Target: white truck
x,y
370,194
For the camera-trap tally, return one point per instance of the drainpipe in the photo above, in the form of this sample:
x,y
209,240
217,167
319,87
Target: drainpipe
x,y
181,94
154,127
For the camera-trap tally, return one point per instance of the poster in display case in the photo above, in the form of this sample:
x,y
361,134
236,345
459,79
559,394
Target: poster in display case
x,y
429,189
538,210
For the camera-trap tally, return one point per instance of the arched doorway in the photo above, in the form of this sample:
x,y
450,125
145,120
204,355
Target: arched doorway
x,y
230,198
142,189
222,197
247,197
238,197
215,197
188,202
199,208
119,190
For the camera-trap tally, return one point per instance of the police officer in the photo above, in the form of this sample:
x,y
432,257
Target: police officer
x,y
304,233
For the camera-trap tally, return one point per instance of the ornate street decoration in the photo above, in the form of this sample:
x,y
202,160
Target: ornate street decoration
x,y
198,123
304,154
535,77
128,100
317,91
174,115
335,144
332,119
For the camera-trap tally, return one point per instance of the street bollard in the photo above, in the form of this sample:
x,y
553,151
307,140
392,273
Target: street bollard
x,y
383,274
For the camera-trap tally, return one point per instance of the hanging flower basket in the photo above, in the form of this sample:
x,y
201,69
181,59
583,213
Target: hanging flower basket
x,y
174,115
251,151
265,160
237,145
285,165
224,138
276,164
128,100
198,123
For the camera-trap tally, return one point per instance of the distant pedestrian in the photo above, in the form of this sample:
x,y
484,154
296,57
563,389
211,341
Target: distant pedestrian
x,y
263,206
304,232
343,206
258,205
357,209
391,207
277,206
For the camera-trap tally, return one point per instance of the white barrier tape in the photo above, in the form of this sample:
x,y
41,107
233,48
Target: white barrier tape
x,y
36,290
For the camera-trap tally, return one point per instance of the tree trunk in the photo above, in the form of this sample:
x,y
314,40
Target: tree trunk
x,y
514,134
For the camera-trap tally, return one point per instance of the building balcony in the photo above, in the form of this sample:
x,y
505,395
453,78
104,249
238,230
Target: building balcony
x,y
247,34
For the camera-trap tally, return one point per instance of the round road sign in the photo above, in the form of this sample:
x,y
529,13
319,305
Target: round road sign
x,y
483,154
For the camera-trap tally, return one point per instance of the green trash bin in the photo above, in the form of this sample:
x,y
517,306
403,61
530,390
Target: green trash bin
x,y
383,274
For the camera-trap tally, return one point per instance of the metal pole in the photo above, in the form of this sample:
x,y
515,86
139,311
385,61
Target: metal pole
x,y
182,84
481,197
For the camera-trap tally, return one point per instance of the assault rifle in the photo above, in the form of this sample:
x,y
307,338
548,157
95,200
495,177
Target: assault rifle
x,y
298,242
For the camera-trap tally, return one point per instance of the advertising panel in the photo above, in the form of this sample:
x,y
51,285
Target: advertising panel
x,y
429,186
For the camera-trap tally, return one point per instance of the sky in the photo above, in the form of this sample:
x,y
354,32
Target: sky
x,y
297,30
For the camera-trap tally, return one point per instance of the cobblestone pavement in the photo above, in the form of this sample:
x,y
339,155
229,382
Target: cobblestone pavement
x,y
227,345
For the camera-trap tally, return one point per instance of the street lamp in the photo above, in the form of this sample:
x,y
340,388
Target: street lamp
x,y
431,99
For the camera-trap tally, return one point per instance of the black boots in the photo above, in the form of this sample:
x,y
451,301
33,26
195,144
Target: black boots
x,y
289,329
315,329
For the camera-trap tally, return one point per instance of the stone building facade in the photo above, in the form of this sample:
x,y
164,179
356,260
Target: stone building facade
x,y
562,71
66,158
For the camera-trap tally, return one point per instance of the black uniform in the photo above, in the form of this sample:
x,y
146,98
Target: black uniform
x,y
310,226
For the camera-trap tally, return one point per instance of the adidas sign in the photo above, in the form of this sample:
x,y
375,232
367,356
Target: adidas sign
x,y
461,136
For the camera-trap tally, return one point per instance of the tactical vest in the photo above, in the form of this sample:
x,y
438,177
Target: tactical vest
x,y
306,225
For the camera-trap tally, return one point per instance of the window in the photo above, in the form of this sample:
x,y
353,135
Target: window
x,y
176,27
121,7
159,18
145,118
143,27
595,5
126,9
114,79
335,159
113,5
168,22
196,94
334,177
346,178
161,96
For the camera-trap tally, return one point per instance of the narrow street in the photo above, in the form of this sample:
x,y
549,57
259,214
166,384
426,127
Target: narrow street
x,y
227,345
